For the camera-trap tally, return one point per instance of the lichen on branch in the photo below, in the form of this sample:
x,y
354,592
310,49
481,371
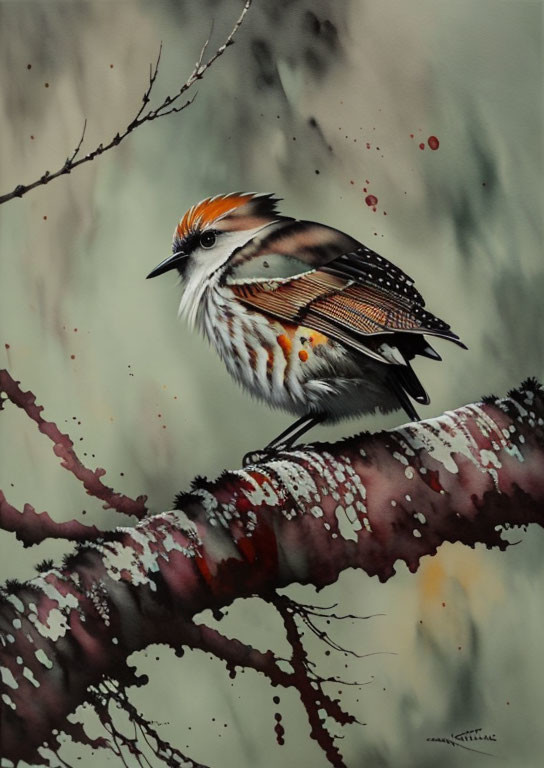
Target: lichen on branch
x,y
367,502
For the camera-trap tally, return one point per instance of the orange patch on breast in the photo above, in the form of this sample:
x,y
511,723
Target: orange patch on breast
x,y
303,355
285,343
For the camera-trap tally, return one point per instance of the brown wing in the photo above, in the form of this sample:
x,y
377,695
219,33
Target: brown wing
x,y
334,284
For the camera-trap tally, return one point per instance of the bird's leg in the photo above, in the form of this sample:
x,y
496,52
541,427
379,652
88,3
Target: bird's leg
x,y
284,440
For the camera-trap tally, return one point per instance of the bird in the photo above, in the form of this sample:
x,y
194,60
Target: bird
x,y
304,316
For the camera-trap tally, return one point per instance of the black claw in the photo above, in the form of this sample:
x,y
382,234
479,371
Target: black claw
x,y
267,453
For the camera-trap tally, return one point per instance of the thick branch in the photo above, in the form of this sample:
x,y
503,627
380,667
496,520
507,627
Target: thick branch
x,y
168,106
305,516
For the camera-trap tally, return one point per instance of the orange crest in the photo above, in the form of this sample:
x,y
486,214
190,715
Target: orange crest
x,y
211,209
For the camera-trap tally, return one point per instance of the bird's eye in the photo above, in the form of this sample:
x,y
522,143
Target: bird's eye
x,y
207,239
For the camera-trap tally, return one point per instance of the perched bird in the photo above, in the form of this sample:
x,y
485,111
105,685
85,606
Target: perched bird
x,y
304,316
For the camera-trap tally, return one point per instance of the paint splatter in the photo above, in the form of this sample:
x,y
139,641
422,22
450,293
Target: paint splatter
x,y
280,731
422,145
433,142
371,201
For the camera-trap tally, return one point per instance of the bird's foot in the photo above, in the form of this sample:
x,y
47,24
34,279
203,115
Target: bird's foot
x,y
267,453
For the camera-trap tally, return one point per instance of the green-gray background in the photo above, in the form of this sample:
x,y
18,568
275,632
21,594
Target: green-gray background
x,y
465,221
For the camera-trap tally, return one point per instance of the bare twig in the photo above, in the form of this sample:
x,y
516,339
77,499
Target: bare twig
x,y
64,449
32,527
309,689
169,105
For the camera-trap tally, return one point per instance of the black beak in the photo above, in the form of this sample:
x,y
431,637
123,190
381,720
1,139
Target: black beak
x,y
171,262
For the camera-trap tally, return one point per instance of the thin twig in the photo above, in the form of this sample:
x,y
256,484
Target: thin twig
x,y
141,117
32,527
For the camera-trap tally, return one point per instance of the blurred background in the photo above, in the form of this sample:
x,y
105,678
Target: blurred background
x,y
317,101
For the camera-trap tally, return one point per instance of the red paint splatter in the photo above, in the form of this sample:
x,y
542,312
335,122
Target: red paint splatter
x,y
7,346
365,189
434,482
368,145
433,142
243,504
367,181
422,145
246,548
351,182
72,357
371,201
411,135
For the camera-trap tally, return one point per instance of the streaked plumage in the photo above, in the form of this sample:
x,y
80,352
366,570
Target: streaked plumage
x,y
304,316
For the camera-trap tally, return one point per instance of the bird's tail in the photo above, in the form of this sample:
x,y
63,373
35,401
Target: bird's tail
x,y
405,385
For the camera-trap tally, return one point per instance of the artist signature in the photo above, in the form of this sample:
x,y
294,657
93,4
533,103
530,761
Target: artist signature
x,y
467,740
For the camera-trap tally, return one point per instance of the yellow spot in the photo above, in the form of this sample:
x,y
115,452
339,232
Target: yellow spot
x,y
432,581
314,337
303,355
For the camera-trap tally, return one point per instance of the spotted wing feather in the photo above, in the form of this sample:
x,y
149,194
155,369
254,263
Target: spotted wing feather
x,y
349,292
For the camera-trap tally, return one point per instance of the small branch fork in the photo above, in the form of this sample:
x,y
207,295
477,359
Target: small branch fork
x,y
169,105
32,527
235,654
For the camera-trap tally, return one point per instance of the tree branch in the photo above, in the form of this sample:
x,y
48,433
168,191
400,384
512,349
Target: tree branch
x,y
63,447
32,527
168,106
304,516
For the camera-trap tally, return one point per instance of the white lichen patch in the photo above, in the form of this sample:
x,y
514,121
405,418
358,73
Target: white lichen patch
x,y
420,517
7,678
43,658
416,533
27,672
262,493
348,522
64,600
55,627
296,479
9,703
449,435
15,601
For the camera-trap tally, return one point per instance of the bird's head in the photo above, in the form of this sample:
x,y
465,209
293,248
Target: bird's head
x,y
212,230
